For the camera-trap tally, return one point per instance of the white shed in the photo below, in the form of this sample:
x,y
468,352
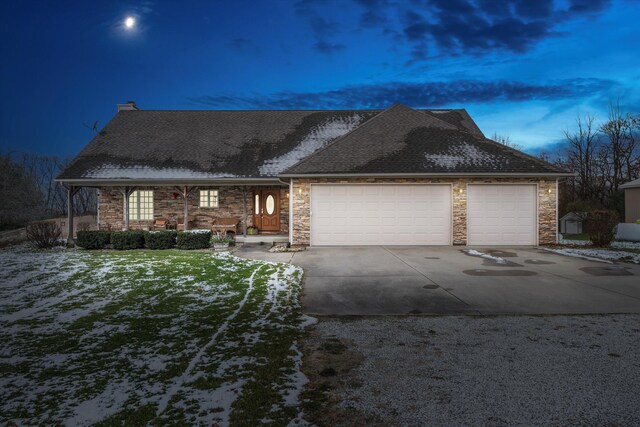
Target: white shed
x,y
571,223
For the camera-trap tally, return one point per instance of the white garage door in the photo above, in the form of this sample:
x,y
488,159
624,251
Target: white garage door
x,y
501,215
380,214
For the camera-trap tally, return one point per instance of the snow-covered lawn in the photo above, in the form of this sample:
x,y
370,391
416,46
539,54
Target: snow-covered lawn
x,y
148,337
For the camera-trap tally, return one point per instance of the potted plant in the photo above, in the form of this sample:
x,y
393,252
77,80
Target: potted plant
x,y
221,240
252,231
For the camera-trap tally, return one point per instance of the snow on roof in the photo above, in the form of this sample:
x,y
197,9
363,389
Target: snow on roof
x,y
463,154
318,137
112,171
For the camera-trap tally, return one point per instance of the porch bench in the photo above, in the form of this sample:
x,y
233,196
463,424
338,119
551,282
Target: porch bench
x,y
180,223
225,224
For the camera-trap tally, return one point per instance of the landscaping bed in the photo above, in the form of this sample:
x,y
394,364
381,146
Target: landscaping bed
x,y
137,337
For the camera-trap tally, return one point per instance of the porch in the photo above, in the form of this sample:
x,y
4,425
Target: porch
x,y
263,207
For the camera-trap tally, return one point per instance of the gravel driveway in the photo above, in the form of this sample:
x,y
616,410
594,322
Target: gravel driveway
x,y
554,370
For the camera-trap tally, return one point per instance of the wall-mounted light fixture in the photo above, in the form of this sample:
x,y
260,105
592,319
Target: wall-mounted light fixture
x,y
287,194
549,191
460,190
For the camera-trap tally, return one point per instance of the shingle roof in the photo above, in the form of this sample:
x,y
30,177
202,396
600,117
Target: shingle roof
x,y
401,140
208,144
147,144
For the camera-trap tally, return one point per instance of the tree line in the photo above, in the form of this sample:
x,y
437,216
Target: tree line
x,y
604,155
29,192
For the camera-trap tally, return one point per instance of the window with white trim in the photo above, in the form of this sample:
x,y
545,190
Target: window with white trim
x,y
141,205
208,198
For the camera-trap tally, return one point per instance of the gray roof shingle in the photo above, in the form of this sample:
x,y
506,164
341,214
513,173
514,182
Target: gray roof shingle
x,y
405,141
148,144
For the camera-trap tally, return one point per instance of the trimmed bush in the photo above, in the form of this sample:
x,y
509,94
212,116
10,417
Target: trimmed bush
x,y
94,239
193,239
600,225
160,239
124,240
43,235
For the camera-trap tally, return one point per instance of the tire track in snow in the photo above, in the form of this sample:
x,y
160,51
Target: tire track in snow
x,y
177,385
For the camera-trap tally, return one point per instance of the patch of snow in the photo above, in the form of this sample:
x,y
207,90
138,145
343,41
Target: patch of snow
x,y
474,252
109,402
597,255
626,245
113,171
177,385
461,155
318,137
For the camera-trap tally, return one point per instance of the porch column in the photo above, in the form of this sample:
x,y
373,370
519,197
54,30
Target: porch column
x,y
244,210
126,192
184,192
71,191
186,207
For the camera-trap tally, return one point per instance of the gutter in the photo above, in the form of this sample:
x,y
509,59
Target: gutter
x,y
430,175
167,182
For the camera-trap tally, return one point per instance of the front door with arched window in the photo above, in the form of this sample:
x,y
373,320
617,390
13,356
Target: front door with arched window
x,y
266,208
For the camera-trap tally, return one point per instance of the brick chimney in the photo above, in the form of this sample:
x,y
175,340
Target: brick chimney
x,y
128,106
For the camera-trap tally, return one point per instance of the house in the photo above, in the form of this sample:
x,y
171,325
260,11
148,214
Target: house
x,y
571,223
631,200
398,176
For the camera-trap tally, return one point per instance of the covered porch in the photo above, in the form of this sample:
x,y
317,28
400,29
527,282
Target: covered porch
x,y
255,212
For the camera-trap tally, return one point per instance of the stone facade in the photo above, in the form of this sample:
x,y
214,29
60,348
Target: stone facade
x,y
546,203
168,203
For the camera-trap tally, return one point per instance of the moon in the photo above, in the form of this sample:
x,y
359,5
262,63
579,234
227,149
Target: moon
x,y
129,22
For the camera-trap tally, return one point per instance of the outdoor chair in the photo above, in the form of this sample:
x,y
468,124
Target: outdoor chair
x,y
228,225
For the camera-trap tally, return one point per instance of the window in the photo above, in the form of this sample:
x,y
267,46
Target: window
x,y
141,205
208,198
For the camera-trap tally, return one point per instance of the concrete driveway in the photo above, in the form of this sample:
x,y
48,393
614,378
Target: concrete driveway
x,y
444,280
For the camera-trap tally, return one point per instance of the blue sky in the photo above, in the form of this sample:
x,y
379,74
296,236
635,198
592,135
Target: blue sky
x,y
521,68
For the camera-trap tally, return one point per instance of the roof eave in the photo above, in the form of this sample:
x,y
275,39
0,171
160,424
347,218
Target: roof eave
x,y
84,182
434,175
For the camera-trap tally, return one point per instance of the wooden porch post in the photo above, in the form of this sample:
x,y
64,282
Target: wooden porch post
x,y
71,191
186,207
126,192
244,210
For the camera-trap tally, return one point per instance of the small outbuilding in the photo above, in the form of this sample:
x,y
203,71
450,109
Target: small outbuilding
x,y
631,201
571,223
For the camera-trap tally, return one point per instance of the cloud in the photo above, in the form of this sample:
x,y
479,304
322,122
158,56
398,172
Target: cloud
x,y
323,29
426,94
478,27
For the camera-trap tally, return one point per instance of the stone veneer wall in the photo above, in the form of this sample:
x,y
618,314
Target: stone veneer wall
x,y
546,203
111,205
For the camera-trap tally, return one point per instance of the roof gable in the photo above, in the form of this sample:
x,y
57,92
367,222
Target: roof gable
x,y
403,141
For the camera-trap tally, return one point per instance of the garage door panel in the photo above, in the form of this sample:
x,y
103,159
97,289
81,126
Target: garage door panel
x,y
502,214
381,214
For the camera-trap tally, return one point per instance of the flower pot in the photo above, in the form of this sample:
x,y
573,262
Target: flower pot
x,y
221,246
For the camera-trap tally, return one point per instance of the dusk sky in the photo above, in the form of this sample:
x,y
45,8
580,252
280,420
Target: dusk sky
x,y
521,68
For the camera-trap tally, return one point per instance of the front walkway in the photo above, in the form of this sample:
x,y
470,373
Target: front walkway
x,y
444,280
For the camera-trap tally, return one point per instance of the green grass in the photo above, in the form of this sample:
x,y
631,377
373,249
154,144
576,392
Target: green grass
x,y
147,337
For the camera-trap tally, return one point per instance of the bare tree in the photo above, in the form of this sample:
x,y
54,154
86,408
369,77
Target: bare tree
x,y
581,155
506,141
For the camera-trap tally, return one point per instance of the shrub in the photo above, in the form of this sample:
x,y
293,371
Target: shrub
x,y
123,240
222,237
43,235
160,239
601,225
196,239
94,239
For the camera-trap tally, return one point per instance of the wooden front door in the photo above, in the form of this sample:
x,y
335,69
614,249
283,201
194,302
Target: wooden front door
x,y
266,209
